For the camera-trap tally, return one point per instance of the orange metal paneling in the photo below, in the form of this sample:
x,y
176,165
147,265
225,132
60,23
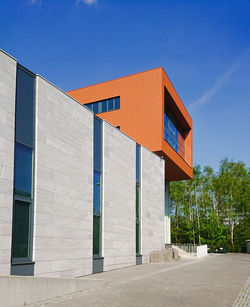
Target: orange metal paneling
x,y
141,115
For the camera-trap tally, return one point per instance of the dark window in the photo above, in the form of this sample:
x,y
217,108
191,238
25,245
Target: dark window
x,y
97,192
25,94
138,192
170,133
95,107
97,189
23,166
137,238
97,144
21,230
137,163
174,130
23,170
96,235
117,103
111,104
104,105
90,106
137,203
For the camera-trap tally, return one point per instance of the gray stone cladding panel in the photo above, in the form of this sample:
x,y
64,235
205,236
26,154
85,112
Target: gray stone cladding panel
x,y
152,203
63,185
7,138
119,174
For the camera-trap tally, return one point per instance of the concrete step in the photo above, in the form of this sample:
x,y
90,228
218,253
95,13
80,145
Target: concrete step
x,y
183,254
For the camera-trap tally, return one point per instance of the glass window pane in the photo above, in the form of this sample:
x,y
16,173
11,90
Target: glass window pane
x,y
90,106
23,170
97,144
137,163
117,103
97,192
99,107
110,104
137,238
25,96
96,235
137,203
95,107
104,106
21,230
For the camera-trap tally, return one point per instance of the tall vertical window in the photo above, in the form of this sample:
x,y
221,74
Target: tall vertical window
x,y
167,200
23,170
23,167
138,199
21,231
97,204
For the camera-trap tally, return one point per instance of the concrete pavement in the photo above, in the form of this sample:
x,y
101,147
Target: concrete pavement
x,y
215,280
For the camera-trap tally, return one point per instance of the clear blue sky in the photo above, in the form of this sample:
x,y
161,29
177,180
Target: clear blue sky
x,y
204,46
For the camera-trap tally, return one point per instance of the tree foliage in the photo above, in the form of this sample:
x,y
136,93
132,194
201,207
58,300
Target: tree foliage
x,y
213,208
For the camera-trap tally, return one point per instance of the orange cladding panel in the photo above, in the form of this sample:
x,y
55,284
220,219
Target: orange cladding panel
x,y
141,115
141,107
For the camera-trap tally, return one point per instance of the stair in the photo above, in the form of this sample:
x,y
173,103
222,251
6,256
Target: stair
x,y
183,254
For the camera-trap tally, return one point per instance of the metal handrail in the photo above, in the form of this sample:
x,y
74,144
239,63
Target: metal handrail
x,y
189,248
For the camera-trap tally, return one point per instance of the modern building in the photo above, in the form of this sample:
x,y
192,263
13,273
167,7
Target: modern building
x,y
147,108
78,195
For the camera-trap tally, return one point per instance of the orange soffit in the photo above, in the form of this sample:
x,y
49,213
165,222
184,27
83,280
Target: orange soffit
x,y
147,108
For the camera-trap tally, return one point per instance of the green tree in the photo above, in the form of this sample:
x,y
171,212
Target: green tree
x,y
212,208
232,192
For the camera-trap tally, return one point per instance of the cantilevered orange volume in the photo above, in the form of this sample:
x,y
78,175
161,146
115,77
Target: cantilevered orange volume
x,y
145,99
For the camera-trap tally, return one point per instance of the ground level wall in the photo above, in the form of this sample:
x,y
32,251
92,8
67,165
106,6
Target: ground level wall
x,y
152,203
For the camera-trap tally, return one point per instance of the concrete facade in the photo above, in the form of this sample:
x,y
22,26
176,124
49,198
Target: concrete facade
x,y
7,135
118,198
62,217
63,191
152,203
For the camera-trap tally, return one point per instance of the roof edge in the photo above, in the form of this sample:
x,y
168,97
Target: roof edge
x,y
6,53
130,75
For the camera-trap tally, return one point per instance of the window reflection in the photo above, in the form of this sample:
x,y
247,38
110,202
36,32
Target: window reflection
x,y
23,170
97,192
25,94
105,105
21,232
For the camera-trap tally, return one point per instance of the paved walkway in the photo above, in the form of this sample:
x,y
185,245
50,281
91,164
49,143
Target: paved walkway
x,y
243,299
215,280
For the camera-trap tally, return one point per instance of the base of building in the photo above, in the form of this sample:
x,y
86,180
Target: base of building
x,y
138,259
98,265
22,269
